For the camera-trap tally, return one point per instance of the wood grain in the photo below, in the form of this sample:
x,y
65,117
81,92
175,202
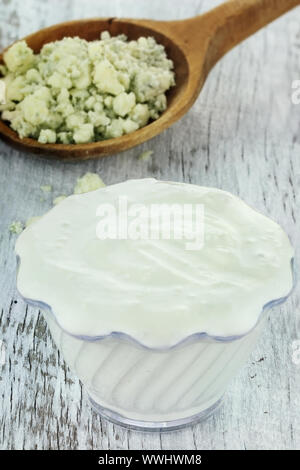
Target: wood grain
x,y
242,135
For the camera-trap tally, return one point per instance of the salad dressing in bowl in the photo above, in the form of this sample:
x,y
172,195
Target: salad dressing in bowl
x,y
154,329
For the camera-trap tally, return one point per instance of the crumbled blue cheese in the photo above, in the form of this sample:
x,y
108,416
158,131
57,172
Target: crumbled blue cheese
x,y
88,182
84,133
145,156
16,227
19,57
124,103
46,188
75,91
47,136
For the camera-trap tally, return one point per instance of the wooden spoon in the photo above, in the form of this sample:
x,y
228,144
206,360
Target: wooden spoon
x,y
195,45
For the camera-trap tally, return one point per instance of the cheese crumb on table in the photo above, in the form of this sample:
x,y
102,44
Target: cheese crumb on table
x,y
145,156
87,183
47,188
16,227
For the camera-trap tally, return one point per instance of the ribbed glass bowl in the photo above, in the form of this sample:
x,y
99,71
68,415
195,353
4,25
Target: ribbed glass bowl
x,y
151,389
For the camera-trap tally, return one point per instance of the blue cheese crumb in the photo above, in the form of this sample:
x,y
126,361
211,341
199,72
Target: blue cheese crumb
x,y
145,156
16,227
47,188
47,136
76,92
88,182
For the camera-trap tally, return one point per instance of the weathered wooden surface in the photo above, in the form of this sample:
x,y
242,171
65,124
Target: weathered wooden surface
x,y
242,135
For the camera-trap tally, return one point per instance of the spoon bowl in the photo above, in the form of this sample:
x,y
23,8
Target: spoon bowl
x,y
195,45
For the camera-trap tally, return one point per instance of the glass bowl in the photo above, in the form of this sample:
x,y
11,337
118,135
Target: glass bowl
x,y
155,389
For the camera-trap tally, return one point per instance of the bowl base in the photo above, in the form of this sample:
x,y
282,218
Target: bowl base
x,y
146,426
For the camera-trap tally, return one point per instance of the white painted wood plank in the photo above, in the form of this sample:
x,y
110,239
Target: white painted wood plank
x,y
242,135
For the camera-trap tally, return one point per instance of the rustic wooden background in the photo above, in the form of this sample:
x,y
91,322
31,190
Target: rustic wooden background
x,y
243,136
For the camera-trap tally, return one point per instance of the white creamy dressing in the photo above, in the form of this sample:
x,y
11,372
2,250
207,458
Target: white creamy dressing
x,y
155,290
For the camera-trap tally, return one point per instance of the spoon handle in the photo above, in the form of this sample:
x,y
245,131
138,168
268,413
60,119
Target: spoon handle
x,y
216,32
235,20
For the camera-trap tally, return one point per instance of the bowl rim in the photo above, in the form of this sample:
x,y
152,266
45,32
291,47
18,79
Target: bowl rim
x,y
195,337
